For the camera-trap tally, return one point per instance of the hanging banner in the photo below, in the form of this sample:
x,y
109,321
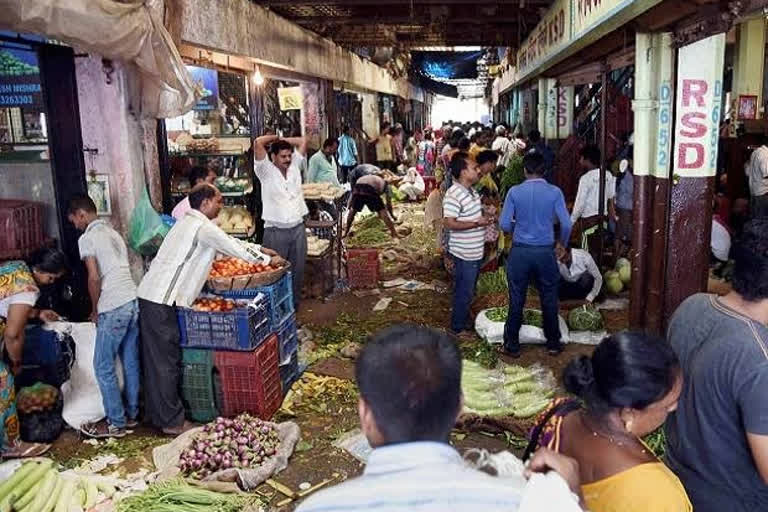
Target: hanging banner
x,y
587,13
20,79
290,98
208,79
700,87
559,111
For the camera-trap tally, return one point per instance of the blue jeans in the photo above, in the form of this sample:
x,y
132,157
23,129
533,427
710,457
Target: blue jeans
x,y
117,334
465,279
539,263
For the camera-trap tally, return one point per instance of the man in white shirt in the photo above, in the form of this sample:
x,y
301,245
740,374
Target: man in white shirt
x,y
587,204
175,277
284,208
503,146
580,279
410,396
757,172
197,175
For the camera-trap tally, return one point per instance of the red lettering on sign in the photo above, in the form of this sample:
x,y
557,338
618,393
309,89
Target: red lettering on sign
x,y
694,89
694,129
682,155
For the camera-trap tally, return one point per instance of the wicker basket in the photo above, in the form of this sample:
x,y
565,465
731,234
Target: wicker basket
x,y
225,284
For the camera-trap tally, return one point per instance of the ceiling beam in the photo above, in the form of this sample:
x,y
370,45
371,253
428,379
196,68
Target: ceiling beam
x,y
397,20
358,3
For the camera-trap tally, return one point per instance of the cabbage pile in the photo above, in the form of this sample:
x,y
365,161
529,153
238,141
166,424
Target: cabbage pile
x,y
618,278
585,318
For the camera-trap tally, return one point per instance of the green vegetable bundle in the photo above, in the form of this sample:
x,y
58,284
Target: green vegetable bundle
x,y
178,496
492,282
532,317
38,487
513,175
585,318
509,391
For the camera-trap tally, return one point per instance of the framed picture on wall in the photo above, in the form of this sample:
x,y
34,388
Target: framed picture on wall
x,y
98,190
747,107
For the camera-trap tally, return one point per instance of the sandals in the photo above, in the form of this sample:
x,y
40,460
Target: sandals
x,y
101,430
23,450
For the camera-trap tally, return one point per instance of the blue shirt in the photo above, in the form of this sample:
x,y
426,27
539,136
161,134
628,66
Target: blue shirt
x,y
347,151
530,211
418,477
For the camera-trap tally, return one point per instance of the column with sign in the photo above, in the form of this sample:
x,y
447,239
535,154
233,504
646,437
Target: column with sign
x,y
699,107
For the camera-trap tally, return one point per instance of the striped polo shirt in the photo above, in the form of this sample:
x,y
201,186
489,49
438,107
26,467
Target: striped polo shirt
x,y
464,205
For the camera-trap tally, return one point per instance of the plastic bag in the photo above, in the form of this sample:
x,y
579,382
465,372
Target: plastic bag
x,y
42,427
147,228
493,332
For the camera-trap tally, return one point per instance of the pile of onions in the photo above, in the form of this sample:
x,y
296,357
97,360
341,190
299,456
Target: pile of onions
x,y
243,442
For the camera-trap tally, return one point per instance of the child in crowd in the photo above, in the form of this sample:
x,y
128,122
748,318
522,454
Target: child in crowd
x,y
319,215
116,315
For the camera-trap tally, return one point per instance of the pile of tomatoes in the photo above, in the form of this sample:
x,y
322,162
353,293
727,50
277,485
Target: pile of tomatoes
x,y
214,304
231,267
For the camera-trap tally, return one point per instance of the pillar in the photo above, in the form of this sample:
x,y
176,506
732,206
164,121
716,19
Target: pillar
x,y
749,61
550,120
542,106
674,164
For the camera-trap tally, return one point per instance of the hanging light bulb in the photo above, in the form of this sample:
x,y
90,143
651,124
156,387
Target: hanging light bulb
x,y
258,78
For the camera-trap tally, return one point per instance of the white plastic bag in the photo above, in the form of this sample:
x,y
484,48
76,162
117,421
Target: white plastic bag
x,y
81,394
493,332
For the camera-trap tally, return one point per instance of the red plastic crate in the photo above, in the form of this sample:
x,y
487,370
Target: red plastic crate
x,y
363,268
21,228
250,381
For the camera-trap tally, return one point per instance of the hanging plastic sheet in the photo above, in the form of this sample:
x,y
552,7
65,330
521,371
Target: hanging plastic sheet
x,y
127,31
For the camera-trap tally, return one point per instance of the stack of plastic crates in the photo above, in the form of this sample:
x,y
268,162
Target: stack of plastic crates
x,y
282,323
219,349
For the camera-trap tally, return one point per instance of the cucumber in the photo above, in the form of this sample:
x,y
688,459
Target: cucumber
x,y
41,487
50,501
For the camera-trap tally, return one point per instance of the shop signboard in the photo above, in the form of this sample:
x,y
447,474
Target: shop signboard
x,y
551,34
20,79
588,13
208,79
698,107
290,98
559,111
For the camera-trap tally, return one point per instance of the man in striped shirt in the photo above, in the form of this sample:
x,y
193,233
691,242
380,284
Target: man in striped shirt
x,y
410,396
463,218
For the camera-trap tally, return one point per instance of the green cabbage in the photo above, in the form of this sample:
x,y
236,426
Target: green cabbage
x,y
586,318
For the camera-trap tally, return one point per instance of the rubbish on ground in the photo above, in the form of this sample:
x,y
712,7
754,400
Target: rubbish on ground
x,y
392,283
382,304
356,444
614,304
282,489
305,485
366,293
351,350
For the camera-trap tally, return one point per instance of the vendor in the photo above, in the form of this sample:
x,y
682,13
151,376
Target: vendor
x,y
175,277
367,192
284,208
580,279
322,165
413,185
19,290
197,175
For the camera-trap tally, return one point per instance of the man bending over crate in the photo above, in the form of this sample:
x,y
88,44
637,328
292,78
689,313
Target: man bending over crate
x,y
115,311
176,276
